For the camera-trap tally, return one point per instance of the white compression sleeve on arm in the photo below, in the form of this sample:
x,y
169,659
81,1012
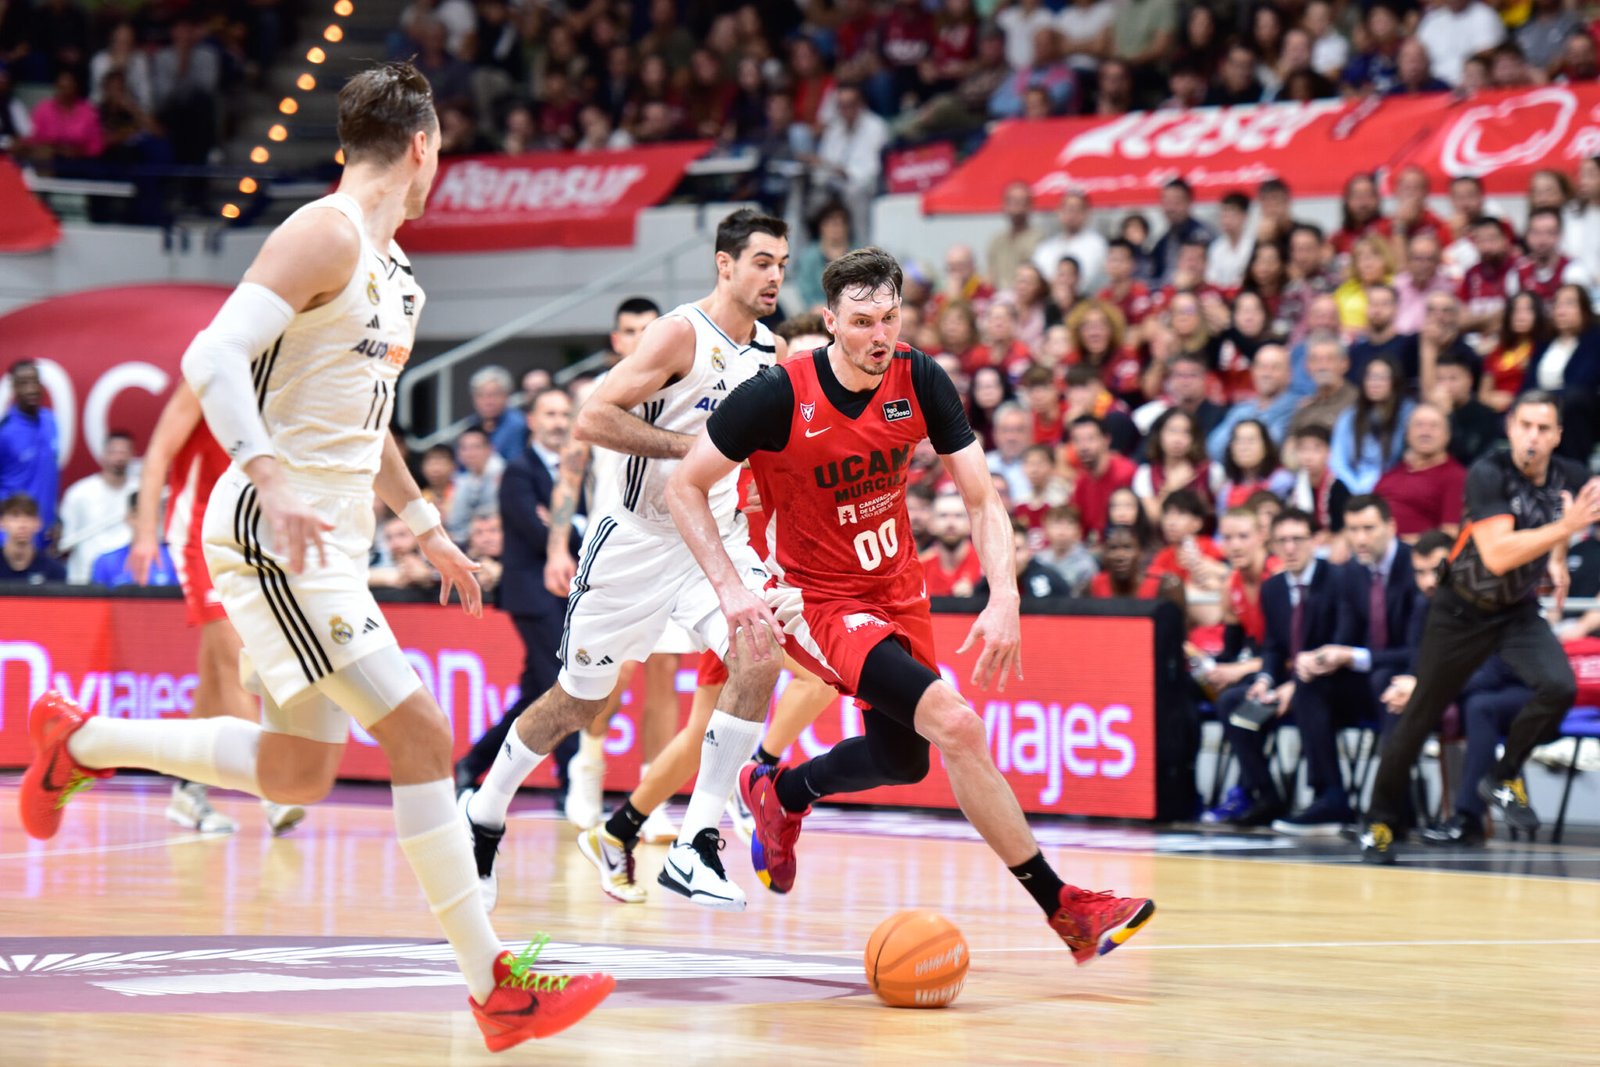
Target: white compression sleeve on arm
x,y
217,367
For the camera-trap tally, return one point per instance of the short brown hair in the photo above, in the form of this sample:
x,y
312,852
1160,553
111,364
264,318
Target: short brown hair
x,y
381,109
864,270
804,325
19,504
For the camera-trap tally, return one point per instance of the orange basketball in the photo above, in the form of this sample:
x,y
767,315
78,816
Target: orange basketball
x,y
916,959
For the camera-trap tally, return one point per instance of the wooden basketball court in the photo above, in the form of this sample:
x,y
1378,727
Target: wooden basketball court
x,y
126,942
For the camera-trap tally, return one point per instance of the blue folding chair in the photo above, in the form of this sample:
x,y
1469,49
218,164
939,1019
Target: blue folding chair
x,y
1581,724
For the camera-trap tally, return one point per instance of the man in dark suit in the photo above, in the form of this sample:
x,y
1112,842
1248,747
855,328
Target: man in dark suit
x,y
525,490
1310,606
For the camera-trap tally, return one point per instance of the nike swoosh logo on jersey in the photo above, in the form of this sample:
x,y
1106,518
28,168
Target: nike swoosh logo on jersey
x,y
818,433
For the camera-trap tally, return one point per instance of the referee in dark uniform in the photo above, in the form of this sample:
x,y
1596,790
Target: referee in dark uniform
x,y
1522,507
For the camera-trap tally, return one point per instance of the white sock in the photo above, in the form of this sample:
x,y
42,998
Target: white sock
x,y
439,851
512,765
590,748
220,751
726,748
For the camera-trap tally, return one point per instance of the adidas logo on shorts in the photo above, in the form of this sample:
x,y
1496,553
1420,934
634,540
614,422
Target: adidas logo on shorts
x,y
606,661
370,626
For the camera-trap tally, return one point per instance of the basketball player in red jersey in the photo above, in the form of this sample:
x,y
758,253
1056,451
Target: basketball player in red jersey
x,y
187,459
829,437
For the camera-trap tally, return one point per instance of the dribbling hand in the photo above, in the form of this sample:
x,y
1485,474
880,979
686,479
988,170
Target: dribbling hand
x,y
456,571
752,628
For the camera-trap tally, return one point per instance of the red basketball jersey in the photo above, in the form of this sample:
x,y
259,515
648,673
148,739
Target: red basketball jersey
x,y
835,495
194,473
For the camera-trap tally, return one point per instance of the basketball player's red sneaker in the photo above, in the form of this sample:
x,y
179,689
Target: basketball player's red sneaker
x,y
526,1004
776,828
1093,924
54,776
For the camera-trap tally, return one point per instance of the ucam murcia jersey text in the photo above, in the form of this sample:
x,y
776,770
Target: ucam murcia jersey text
x,y
720,366
326,388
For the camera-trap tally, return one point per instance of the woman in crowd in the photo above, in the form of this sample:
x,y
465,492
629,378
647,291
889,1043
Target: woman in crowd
x,y
1249,332
1175,458
1370,436
1371,263
1124,509
1098,330
990,389
1524,330
831,230
1569,366
1031,298
1251,464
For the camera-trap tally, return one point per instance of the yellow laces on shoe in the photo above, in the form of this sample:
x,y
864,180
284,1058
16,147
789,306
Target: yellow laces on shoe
x,y
1519,789
1382,836
75,785
522,975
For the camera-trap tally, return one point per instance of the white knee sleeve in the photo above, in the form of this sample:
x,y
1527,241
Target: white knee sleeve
x,y
371,687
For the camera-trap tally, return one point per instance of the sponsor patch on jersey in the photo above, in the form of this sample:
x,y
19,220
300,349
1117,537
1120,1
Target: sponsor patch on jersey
x,y
847,514
895,410
807,410
408,303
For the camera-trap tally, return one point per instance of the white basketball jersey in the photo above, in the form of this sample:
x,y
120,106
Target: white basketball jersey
x,y
721,365
327,386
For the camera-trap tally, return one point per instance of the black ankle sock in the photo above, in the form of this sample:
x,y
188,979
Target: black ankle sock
x,y
764,757
1041,881
794,792
625,822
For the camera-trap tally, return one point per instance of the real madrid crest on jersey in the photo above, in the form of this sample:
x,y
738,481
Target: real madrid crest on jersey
x,y
372,288
717,362
342,633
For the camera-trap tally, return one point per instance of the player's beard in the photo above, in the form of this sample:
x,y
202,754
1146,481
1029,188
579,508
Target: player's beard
x,y
865,365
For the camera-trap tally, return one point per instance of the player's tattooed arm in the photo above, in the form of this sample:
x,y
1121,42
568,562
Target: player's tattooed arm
x,y
559,566
665,354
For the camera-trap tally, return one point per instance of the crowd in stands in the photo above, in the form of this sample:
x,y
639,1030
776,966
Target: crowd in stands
x,y
131,84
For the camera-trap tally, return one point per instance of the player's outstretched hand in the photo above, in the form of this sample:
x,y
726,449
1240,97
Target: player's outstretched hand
x,y
142,556
559,570
293,522
1001,633
752,628
456,571
1582,511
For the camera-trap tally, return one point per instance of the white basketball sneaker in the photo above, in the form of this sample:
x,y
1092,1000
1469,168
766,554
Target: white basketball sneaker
x,y
191,809
695,871
744,824
281,818
657,828
485,845
585,800
614,861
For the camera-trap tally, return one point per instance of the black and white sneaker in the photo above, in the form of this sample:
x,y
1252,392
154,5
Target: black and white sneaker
x,y
1509,798
695,872
485,845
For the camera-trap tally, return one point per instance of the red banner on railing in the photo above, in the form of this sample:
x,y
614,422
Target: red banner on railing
x,y
1076,737
1500,136
565,199
26,225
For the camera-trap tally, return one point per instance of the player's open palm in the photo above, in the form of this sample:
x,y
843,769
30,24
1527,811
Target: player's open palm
x,y
752,628
295,526
456,571
1000,632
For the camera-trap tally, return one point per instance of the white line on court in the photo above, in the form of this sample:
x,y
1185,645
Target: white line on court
x,y
132,846
1140,946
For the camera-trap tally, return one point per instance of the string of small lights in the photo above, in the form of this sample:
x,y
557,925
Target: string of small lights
x,y
289,106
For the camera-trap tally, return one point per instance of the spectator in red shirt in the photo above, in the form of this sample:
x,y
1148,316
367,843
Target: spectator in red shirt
x,y
1188,553
1123,573
1104,471
1411,214
955,46
1425,489
1244,625
1043,489
1523,332
1361,213
1098,329
962,283
813,85
906,43
1544,269
1175,460
1042,395
1000,347
1483,288
1124,290
950,567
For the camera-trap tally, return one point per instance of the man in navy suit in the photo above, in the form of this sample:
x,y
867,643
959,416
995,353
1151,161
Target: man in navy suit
x,y
1310,608
525,490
